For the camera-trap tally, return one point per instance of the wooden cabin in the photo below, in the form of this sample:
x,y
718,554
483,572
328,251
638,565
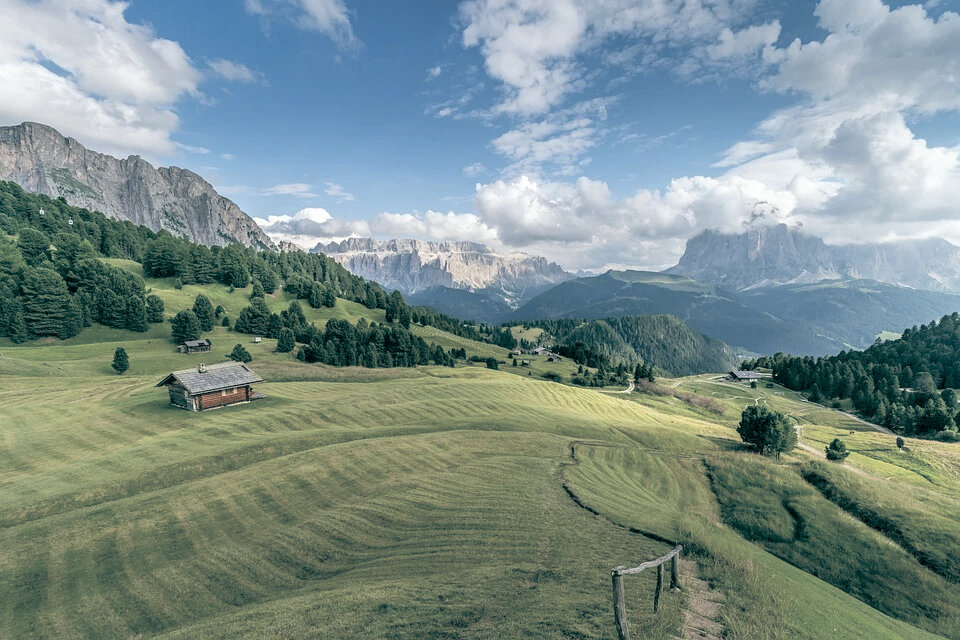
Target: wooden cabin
x,y
211,386
744,376
194,346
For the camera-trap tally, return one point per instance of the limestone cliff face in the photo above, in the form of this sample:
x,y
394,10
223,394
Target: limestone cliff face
x,y
40,159
777,255
414,266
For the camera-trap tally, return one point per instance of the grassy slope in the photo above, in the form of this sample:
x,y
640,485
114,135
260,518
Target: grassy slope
x,y
366,503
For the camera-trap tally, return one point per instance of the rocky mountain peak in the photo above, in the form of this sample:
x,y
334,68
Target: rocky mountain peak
x,y
413,266
777,255
40,159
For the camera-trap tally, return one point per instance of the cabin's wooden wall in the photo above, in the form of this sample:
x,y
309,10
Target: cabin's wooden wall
x,y
217,399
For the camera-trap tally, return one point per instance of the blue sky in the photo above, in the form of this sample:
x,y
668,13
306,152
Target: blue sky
x,y
597,134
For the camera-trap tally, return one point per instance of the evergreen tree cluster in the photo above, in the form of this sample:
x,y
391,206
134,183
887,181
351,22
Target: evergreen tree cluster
x,y
662,340
52,282
907,385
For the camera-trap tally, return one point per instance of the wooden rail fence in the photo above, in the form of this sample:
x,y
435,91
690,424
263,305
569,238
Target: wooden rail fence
x,y
619,607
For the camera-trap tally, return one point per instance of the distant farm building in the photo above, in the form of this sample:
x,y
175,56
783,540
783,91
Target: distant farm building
x,y
539,351
208,387
257,340
194,346
554,357
744,376
524,363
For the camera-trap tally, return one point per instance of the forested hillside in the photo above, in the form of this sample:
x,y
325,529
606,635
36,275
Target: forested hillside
x,y
907,385
53,282
704,308
662,341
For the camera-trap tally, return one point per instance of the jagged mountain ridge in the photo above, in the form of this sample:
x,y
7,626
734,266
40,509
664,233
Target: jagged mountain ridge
x,y
777,255
41,160
418,266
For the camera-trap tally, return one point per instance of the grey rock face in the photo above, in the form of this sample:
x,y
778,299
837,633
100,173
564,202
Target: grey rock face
x,y
777,255
415,265
40,159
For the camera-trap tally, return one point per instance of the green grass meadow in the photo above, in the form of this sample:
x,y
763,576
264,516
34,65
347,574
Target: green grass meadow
x,y
432,502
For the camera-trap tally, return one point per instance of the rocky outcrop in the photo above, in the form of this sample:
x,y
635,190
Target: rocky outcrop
x,y
414,266
777,255
40,159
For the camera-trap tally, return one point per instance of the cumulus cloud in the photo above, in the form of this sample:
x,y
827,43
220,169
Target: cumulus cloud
x,y
79,66
329,17
435,225
584,225
311,225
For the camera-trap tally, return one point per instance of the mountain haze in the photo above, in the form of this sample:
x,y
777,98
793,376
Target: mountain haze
x,y
41,160
809,319
775,255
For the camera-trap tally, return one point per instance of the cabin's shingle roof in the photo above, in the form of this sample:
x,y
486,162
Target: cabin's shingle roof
x,y
202,342
215,377
746,375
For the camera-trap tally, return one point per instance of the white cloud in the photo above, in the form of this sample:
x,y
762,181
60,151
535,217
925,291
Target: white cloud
x,y
583,225
192,149
79,66
234,71
533,47
301,189
336,191
475,169
329,17
434,225
434,72
228,156
311,225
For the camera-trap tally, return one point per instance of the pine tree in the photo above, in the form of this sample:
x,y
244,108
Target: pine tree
x,y
135,315
185,327
239,354
285,342
203,310
120,360
34,246
257,290
16,326
154,308
45,302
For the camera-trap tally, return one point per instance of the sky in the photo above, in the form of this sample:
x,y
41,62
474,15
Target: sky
x,y
598,133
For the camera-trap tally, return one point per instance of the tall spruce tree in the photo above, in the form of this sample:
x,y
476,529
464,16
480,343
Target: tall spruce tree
x,y
154,308
46,302
184,327
120,360
203,309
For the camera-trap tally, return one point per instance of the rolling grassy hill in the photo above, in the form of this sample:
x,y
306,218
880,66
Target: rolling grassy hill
x,y
428,503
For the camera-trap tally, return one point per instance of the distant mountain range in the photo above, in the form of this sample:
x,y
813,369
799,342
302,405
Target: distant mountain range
x,y
815,319
466,279
776,255
40,159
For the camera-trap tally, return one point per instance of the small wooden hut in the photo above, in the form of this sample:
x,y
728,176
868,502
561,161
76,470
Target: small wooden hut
x,y
194,346
208,387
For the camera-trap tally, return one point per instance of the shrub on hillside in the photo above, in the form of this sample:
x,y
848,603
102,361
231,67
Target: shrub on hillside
x,y
837,450
766,431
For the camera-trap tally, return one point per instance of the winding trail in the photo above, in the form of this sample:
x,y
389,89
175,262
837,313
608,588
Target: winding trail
x,y
701,613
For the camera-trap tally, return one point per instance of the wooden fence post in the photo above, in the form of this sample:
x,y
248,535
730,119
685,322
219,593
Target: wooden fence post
x,y
656,594
675,571
619,606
